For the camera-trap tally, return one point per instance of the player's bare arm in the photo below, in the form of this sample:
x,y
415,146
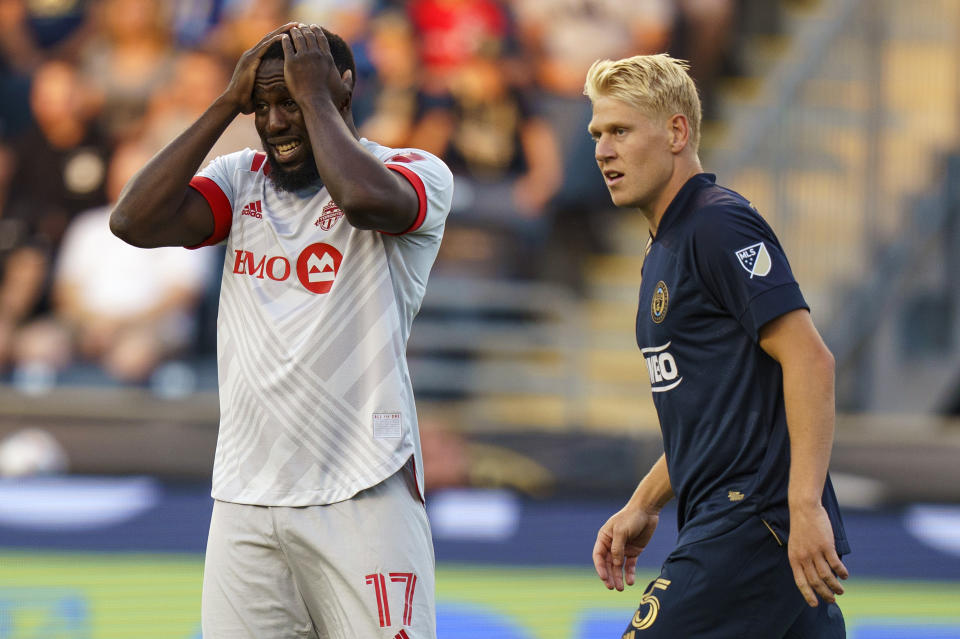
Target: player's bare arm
x,y
157,207
370,195
625,535
808,389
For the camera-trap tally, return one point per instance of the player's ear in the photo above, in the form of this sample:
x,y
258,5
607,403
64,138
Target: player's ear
x,y
348,81
679,132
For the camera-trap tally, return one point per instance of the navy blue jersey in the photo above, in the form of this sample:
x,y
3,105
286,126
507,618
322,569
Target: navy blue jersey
x,y
713,276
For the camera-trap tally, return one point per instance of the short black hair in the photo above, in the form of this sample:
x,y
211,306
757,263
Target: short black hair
x,y
342,55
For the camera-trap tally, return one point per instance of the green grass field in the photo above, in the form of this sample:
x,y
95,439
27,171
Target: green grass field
x,y
547,600
118,596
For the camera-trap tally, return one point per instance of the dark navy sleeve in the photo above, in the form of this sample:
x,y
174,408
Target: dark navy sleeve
x,y
743,267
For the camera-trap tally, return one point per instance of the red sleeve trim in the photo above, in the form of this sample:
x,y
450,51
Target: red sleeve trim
x,y
258,160
417,183
219,206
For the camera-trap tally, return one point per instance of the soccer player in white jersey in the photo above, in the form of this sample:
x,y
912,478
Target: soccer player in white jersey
x,y
318,526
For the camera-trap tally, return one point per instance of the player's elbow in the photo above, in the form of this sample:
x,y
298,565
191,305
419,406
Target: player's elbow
x,y
391,207
120,224
361,218
827,360
370,214
820,361
124,226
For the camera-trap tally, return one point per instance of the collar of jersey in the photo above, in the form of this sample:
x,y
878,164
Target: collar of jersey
x,y
309,191
678,206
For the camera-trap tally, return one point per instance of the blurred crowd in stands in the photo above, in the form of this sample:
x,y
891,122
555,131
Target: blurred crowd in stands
x,y
91,88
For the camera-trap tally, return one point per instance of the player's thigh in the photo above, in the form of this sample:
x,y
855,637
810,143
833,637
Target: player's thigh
x,y
365,566
248,589
823,622
733,586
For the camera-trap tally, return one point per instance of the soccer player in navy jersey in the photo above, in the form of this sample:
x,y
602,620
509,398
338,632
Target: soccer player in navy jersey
x,y
741,379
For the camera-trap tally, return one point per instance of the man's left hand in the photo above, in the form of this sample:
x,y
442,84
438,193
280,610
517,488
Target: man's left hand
x,y
309,69
813,555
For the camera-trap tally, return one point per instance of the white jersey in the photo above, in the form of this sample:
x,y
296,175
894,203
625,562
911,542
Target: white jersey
x,y
316,402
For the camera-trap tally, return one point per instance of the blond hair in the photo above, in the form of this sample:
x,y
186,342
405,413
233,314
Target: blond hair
x,y
657,84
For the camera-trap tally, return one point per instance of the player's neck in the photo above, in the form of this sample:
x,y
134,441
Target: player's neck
x,y
684,169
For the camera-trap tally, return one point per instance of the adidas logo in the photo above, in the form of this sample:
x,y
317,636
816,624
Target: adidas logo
x,y
254,209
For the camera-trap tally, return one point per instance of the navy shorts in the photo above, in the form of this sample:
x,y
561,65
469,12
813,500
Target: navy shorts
x,y
737,585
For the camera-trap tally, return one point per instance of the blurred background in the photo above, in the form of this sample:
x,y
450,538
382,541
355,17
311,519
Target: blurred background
x,y
837,118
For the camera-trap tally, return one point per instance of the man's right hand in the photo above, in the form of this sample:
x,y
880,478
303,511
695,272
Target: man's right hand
x,y
240,90
619,543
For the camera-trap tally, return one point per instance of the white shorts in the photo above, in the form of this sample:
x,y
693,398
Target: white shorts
x,y
358,569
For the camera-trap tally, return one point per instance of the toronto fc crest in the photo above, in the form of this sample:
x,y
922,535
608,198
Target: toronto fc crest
x,y
328,216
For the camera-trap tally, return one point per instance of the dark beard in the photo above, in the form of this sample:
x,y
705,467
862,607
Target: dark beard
x,y
296,180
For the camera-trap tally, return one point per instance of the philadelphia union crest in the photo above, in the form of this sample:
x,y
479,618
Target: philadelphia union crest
x,y
661,299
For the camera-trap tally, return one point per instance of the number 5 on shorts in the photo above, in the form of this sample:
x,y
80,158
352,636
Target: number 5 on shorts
x,y
379,583
650,599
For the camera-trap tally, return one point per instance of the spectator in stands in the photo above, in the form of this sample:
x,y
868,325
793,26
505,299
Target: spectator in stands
x,y
128,59
123,308
563,37
198,78
566,36
30,34
56,169
504,156
60,162
347,18
452,32
192,20
243,23
387,104
22,286
31,31
703,38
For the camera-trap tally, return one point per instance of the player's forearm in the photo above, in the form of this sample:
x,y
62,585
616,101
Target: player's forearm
x,y
370,195
808,390
151,199
654,490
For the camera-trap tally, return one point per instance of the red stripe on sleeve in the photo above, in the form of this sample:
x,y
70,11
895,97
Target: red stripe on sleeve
x,y
258,159
417,183
219,206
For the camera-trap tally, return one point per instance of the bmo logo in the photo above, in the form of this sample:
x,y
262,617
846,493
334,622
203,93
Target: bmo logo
x,y
317,266
662,367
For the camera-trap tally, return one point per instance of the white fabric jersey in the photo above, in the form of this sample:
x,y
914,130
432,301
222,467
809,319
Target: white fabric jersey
x,y
316,402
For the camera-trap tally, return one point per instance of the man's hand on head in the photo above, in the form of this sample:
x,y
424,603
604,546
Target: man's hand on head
x,y
240,90
309,68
